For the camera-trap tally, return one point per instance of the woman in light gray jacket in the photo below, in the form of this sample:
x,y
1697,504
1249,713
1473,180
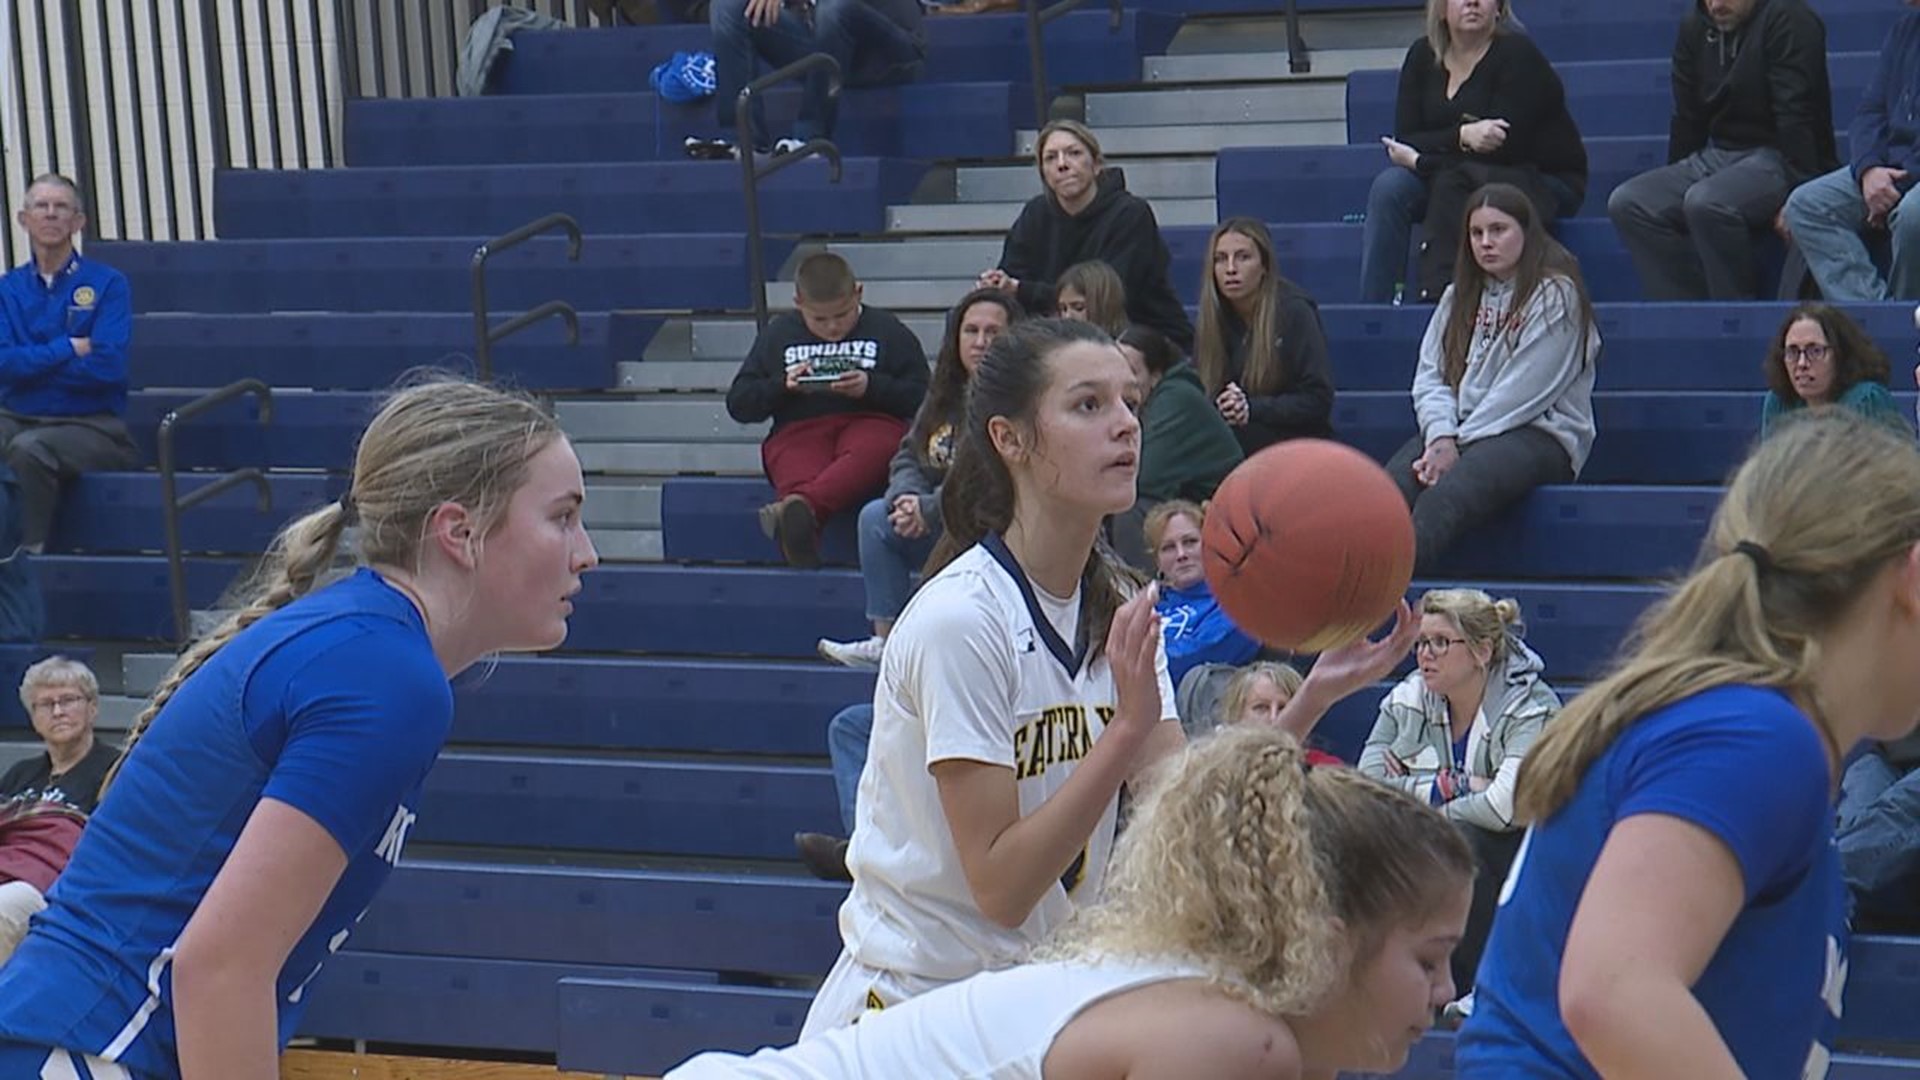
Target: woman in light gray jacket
x,y
1455,730
1504,387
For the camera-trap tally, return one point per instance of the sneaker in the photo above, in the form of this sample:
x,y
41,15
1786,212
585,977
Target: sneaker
x,y
787,146
710,149
825,856
864,654
790,523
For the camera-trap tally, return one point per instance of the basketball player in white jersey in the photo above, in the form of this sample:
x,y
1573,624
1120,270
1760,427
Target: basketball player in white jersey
x,y
1020,689
1264,920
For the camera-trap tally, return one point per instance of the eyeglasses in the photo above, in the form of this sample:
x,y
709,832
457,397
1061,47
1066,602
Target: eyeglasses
x,y
69,703
1812,354
1437,647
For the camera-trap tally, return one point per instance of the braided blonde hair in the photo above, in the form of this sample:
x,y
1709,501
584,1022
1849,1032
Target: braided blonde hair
x,y
441,440
1241,858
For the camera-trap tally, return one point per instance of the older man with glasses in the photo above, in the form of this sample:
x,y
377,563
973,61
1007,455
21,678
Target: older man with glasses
x,y
65,323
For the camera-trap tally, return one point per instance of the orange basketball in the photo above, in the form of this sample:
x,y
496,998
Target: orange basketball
x,y
1308,545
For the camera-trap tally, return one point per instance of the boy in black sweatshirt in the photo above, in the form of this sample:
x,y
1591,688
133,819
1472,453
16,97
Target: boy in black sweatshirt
x,y
840,381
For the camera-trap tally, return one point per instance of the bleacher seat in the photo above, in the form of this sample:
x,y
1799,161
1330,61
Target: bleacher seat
x,y
648,1026
645,197
1569,30
694,271
309,431
123,597
117,512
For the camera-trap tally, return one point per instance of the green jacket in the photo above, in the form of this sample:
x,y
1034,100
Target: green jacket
x,y
1867,397
1186,449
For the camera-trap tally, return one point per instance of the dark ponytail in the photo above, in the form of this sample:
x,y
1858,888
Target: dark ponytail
x,y
977,497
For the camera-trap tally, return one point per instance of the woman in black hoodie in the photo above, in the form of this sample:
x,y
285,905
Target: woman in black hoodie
x,y
1261,351
1088,213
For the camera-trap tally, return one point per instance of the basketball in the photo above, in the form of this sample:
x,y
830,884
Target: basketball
x,y
1308,545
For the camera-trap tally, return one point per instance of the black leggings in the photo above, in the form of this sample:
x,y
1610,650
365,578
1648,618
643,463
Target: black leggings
x,y
1492,474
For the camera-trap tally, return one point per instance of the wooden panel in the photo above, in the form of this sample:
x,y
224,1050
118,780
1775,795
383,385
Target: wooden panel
x,y
330,1065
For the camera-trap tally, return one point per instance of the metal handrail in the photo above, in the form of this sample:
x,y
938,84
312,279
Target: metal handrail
x,y
485,335
1037,19
1298,61
171,503
755,172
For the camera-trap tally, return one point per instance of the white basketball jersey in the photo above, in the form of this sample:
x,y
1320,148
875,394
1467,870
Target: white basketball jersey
x,y
996,1026
980,667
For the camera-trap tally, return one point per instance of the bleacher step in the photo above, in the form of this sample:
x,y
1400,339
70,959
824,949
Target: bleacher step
x,y
1322,31
622,504
658,459
1267,66
996,217
937,294
1146,177
140,672
1322,99
690,419
923,257
1204,139
628,545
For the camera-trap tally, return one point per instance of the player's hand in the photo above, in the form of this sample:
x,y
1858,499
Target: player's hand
x,y
1879,186
1133,650
82,346
1340,672
763,12
853,384
1232,404
793,377
1400,153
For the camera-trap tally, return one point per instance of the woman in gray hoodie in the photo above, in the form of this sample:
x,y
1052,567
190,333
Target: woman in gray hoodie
x,y
1455,730
1504,387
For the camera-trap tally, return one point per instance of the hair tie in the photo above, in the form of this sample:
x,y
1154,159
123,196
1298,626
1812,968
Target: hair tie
x,y
1762,559
349,510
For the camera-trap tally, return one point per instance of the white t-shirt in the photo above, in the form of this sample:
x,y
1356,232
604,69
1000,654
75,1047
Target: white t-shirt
x,y
995,1026
979,667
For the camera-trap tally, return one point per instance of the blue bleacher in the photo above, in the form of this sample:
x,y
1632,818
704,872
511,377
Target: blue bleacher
x,y
122,597
694,271
647,1026
645,197
309,431
1571,30
120,512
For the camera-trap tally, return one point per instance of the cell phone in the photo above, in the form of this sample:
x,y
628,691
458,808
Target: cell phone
x,y
811,379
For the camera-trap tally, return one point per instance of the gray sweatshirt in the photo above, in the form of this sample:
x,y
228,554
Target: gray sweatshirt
x,y
1530,369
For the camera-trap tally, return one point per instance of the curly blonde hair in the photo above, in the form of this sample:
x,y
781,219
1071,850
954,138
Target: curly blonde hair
x,y
1241,858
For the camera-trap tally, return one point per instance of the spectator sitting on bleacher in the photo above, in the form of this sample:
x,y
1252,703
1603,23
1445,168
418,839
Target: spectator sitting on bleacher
x,y
1478,102
875,42
840,380
62,698
1087,213
1261,352
848,735
1198,632
1091,292
1820,358
1504,387
898,530
1455,731
1752,116
1877,832
1186,448
37,837
63,364
1828,215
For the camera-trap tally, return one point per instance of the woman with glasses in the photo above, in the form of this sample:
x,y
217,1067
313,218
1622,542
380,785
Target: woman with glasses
x,y
1454,732
1820,358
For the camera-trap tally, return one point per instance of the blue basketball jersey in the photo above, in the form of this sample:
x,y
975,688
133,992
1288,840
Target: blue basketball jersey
x,y
1748,766
334,705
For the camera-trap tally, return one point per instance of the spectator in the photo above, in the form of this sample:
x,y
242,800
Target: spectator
x,y
1258,693
63,364
1261,350
1877,832
875,42
1087,213
1478,102
1820,358
898,530
1504,386
848,733
1197,631
1091,292
62,698
37,837
840,380
1752,117
1828,215
1187,447
1455,730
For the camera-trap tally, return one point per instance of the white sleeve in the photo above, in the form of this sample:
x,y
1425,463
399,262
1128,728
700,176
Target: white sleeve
x,y
957,672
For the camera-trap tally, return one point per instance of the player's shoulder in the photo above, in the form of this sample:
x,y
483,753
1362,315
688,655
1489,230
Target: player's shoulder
x,y
972,589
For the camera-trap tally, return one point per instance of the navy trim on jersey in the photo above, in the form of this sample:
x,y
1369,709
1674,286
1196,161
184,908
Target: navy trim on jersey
x,y
1071,659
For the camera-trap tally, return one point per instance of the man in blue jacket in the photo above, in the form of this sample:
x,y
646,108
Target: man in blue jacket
x,y
1832,216
65,323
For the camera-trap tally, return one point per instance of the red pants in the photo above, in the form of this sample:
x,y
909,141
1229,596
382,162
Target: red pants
x,y
834,462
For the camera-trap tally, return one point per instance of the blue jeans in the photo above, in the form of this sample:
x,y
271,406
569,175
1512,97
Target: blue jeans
x,y
1877,831
871,49
1828,217
888,562
847,736
1395,203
